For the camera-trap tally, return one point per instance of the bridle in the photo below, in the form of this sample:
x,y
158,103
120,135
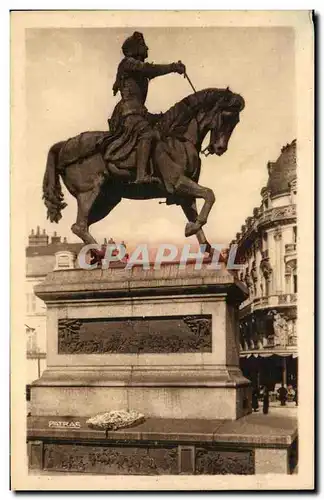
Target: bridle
x,y
206,152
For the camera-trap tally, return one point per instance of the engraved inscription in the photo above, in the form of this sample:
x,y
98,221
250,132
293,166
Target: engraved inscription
x,y
110,460
171,334
64,424
224,462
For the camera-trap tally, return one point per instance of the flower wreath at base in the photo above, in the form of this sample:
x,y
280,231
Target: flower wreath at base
x,y
115,419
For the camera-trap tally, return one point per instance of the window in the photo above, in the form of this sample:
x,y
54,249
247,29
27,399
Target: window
x,y
63,261
31,340
295,282
28,392
295,234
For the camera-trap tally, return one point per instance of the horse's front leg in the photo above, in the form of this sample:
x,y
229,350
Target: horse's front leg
x,y
187,188
189,208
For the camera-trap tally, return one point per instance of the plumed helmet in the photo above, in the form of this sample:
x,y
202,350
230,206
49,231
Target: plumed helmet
x,y
131,44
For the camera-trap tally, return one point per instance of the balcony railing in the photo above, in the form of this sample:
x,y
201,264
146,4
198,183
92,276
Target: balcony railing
x,y
270,301
268,216
278,213
287,298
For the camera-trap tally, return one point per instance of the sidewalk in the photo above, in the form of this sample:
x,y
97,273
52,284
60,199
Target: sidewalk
x,y
289,410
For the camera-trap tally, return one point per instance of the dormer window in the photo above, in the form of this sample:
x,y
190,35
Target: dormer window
x,y
64,260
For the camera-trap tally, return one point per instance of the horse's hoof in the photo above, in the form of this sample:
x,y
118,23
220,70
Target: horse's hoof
x,y
191,228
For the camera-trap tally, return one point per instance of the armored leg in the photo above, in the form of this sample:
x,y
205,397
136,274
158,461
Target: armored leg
x,y
142,160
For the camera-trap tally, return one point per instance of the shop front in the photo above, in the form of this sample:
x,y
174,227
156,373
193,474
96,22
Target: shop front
x,y
272,369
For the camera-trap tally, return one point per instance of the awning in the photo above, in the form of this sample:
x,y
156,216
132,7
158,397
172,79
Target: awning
x,y
261,354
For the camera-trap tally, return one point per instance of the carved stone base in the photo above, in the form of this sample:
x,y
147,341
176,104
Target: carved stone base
x,y
164,446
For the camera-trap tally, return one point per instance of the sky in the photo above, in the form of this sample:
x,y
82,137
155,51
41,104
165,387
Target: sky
x,y
69,76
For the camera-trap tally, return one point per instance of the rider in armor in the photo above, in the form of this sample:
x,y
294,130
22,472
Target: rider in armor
x,y
132,80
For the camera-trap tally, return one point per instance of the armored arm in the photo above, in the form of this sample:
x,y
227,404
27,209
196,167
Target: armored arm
x,y
151,70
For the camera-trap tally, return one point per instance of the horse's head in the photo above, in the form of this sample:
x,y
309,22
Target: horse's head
x,y
224,118
209,110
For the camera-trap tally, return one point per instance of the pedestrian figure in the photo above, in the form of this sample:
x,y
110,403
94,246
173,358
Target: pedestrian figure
x,y
291,393
266,401
255,400
282,393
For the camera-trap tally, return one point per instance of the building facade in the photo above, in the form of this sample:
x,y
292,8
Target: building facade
x,y
43,255
267,250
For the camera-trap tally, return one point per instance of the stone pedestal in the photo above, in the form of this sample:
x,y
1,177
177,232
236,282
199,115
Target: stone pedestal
x,y
254,444
163,342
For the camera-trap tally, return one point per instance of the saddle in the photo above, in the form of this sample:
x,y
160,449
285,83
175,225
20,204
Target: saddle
x,y
82,146
118,145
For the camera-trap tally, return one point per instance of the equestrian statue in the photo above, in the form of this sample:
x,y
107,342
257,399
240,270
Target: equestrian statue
x,y
142,155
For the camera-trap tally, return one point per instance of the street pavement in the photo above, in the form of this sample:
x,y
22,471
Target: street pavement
x,y
289,410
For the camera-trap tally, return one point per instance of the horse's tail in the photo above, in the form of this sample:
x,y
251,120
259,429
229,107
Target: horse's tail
x,y
52,190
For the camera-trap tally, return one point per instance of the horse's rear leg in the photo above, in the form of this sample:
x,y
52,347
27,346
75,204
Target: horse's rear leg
x,y
81,226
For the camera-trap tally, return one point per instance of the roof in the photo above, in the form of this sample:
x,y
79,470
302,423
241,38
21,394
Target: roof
x,y
40,259
51,249
39,265
283,171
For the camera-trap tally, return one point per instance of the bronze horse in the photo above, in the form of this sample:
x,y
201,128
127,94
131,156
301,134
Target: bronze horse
x,y
99,183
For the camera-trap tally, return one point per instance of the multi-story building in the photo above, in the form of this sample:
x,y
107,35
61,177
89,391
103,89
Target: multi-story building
x,y
267,250
43,255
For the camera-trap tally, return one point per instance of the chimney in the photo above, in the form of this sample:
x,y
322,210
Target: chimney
x,y
37,239
55,239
